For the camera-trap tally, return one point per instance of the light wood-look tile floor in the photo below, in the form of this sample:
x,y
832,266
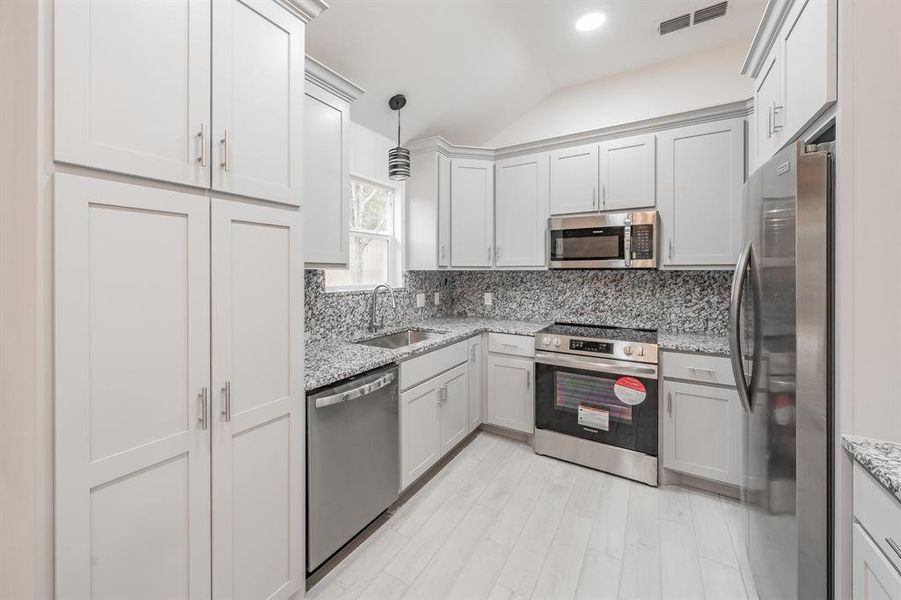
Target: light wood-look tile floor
x,y
502,523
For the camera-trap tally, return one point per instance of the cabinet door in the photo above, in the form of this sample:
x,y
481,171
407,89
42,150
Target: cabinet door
x,y
132,87
326,183
768,109
258,98
574,180
874,576
258,410
419,441
521,211
453,419
472,213
627,173
131,369
476,379
700,177
702,431
444,210
809,73
511,399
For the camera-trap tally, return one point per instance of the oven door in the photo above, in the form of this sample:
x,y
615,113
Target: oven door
x,y
608,401
588,247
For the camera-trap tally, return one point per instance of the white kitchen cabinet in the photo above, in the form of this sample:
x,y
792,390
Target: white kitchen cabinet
x,y
476,379
428,211
472,213
702,428
420,444
510,397
700,175
627,173
874,577
257,100
132,88
453,414
574,179
257,401
132,369
521,211
326,158
768,114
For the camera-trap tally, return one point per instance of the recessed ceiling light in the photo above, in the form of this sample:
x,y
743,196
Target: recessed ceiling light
x,y
590,21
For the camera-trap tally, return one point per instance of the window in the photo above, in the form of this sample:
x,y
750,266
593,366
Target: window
x,y
374,246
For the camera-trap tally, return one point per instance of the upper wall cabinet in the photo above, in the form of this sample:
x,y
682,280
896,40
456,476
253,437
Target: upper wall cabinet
x,y
428,211
132,88
574,180
699,184
134,92
472,213
521,211
627,174
326,155
613,175
258,96
793,60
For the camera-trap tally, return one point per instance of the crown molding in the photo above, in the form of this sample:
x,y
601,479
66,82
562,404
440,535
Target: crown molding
x,y
305,10
317,73
774,15
741,108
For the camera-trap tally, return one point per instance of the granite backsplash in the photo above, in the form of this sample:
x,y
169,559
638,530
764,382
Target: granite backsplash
x,y
675,301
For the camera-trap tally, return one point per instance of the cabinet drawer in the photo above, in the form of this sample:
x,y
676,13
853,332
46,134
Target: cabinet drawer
x,y
879,513
438,361
698,367
504,343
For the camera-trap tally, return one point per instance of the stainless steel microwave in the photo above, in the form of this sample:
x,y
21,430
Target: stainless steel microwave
x,y
625,240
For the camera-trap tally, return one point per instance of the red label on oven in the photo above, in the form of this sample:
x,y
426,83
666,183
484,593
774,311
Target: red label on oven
x,y
629,390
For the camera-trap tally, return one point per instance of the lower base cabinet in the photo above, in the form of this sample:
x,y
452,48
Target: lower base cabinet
x,y
434,418
510,397
702,429
476,380
874,576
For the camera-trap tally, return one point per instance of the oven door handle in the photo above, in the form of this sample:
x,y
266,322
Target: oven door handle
x,y
615,367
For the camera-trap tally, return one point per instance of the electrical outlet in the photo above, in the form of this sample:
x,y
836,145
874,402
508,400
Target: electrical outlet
x,y
489,298
420,300
437,298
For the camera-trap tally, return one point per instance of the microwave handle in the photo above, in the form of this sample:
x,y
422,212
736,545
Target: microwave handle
x,y
627,240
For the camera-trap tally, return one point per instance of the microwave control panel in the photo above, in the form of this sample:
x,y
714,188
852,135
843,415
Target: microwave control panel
x,y
642,242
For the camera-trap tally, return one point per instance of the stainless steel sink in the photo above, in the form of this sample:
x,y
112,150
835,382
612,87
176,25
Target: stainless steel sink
x,y
401,338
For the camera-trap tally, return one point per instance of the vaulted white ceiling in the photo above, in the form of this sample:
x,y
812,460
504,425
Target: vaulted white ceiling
x,y
470,67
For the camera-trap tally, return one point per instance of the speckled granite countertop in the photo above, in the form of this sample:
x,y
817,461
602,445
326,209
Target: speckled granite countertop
x,y
327,362
693,342
881,459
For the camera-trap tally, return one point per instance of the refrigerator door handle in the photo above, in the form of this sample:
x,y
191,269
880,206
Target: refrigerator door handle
x,y
746,264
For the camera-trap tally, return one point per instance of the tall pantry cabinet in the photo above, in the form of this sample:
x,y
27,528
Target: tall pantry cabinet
x,y
178,324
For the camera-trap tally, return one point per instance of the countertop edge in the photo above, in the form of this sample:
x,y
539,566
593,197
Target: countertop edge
x,y
880,459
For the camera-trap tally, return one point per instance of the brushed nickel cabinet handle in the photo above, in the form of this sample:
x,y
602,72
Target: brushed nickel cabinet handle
x,y
204,409
528,381
894,546
669,403
202,135
227,401
226,163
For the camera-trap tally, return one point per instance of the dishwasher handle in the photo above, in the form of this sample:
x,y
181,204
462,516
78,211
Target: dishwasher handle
x,y
357,392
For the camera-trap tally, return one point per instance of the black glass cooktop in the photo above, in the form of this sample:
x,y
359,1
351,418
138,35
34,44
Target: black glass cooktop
x,y
618,334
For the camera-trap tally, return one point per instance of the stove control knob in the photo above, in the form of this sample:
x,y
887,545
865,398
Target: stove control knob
x,y
627,350
556,342
547,341
641,351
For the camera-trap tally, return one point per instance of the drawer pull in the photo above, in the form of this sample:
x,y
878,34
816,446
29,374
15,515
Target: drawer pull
x,y
894,546
709,372
514,346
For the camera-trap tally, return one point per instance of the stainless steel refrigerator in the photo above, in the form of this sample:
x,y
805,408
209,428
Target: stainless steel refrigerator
x,y
781,346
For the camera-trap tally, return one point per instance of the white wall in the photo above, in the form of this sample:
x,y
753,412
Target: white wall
x,y
369,152
666,88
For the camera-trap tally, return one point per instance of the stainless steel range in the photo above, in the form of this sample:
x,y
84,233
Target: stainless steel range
x,y
596,398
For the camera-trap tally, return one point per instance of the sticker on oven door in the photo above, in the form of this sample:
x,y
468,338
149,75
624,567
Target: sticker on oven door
x,y
630,391
594,417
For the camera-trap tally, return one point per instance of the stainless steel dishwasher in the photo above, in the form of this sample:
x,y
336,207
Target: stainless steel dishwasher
x,y
353,459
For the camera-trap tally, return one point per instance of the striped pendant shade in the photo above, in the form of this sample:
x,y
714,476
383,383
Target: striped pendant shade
x,y
398,157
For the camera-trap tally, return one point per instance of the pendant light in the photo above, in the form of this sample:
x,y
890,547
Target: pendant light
x,y
399,157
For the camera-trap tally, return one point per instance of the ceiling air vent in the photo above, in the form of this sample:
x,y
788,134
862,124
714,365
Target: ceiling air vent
x,y
711,12
671,25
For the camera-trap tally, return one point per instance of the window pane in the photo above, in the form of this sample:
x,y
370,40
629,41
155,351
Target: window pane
x,y
368,264
370,208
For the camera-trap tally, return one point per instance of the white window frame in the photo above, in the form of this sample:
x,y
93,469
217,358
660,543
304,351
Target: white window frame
x,y
394,237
